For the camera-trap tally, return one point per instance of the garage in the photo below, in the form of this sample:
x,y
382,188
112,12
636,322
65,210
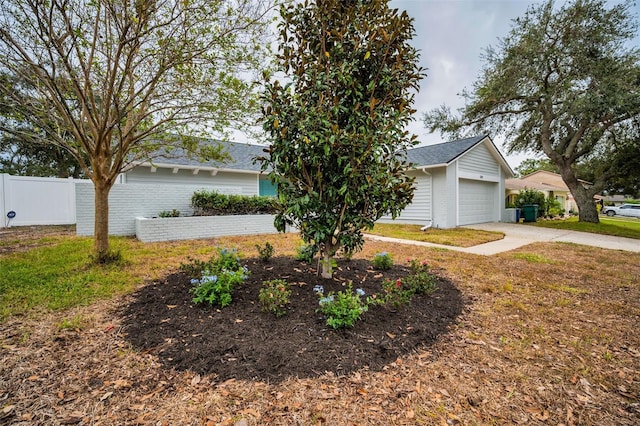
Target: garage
x,y
456,183
477,201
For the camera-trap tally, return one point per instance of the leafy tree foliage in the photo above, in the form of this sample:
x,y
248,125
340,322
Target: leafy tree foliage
x,y
108,80
338,153
22,158
531,165
25,159
564,82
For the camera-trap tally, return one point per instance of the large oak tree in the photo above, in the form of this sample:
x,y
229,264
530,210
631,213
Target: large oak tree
x,y
564,82
337,127
108,80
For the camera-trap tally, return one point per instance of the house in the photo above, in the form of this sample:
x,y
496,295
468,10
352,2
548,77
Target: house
x,y
549,183
239,175
457,183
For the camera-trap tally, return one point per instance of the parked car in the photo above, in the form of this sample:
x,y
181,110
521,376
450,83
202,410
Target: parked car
x,y
632,210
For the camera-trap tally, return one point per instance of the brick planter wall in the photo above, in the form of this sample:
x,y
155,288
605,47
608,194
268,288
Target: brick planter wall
x,y
195,227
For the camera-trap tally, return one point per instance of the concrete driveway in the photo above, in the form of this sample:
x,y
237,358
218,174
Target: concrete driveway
x,y
518,235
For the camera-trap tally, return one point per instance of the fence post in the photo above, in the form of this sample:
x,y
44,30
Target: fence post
x,y
3,185
72,197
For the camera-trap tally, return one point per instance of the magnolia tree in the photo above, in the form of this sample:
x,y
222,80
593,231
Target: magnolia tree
x,y
563,83
338,144
108,80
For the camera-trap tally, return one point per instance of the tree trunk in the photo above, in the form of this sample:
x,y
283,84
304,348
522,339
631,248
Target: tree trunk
x,y
327,270
586,206
101,223
587,211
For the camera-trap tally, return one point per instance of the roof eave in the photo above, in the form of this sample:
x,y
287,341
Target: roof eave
x,y
193,167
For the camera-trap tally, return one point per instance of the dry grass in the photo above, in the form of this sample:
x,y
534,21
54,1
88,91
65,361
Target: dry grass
x,y
458,237
541,342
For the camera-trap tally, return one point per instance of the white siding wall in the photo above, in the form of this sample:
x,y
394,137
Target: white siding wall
x,y
37,200
440,197
227,182
129,201
479,161
419,211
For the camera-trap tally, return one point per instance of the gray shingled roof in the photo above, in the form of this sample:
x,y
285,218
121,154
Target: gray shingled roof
x,y
442,153
242,155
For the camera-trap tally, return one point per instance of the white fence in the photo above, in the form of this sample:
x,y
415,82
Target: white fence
x,y
37,200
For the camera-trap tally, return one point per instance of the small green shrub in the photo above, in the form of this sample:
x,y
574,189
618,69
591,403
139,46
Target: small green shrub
x,y
420,281
396,293
214,281
217,289
274,297
265,252
194,267
343,308
382,261
306,253
400,292
167,213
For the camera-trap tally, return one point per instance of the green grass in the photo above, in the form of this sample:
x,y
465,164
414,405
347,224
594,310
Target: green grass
x,y
532,258
619,227
459,237
60,276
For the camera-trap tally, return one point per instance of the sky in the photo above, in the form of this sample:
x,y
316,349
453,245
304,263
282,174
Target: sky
x,y
451,36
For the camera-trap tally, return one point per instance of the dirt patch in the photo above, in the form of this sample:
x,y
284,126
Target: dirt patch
x,y
23,238
242,342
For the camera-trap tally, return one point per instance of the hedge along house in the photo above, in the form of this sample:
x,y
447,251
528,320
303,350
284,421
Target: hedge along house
x,y
457,183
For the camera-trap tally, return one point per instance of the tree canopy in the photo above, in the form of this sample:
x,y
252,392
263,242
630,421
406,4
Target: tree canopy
x,y
531,165
565,82
337,127
109,80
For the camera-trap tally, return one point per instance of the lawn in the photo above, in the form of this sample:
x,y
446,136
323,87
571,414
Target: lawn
x,y
543,338
619,227
459,237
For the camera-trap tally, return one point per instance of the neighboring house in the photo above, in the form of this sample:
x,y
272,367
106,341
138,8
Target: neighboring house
x,y
612,200
239,175
549,183
457,183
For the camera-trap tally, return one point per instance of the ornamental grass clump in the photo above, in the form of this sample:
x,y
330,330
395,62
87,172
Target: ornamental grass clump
x,y
343,308
274,297
382,261
214,281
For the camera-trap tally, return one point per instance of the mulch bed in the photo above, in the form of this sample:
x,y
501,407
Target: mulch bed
x,y
242,342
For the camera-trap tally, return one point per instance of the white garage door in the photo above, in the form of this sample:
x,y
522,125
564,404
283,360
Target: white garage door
x,y
477,201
